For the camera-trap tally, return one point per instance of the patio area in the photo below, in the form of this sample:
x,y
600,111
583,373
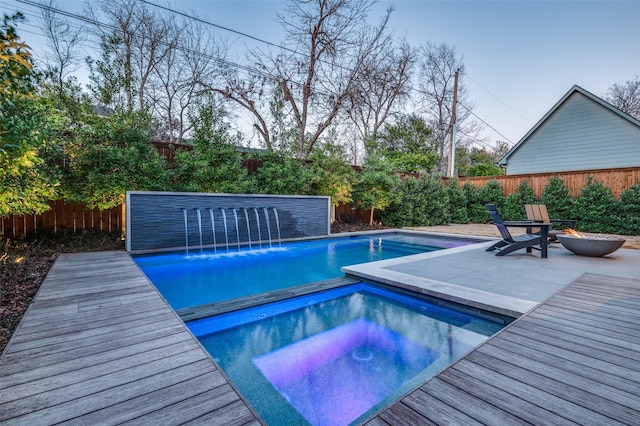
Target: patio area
x,y
100,345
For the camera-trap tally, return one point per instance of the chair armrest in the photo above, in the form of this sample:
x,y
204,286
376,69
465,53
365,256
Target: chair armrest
x,y
525,224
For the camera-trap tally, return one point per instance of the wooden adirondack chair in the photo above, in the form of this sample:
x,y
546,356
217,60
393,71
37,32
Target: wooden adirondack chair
x,y
539,213
510,243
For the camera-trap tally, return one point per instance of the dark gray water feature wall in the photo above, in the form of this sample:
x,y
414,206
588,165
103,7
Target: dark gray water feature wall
x,y
155,220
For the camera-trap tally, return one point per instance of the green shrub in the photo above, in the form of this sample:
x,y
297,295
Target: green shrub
x,y
558,199
330,173
214,164
457,202
420,201
112,155
490,193
629,211
280,175
475,211
375,186
401,211
209,168
596,209
514,204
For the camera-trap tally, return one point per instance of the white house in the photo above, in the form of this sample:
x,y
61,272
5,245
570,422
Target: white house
x,y
580,132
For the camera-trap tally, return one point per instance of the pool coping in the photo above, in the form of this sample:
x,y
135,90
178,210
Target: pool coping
x,y
488,301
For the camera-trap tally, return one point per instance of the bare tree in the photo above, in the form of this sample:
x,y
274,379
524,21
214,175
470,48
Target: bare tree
x,y
312,79
249,92
195,56
134,41
339,44
64,40
626,97
384,85
438,64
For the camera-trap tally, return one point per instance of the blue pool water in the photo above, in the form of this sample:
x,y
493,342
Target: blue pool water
x,y
199,279
333,358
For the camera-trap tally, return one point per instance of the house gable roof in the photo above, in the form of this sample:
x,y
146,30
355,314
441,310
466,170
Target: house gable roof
x,y
574,89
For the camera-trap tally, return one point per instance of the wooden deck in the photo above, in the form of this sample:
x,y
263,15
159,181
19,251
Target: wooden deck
x,y
100,346
573,360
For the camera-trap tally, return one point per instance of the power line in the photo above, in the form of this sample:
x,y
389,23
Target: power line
x,y
487,124
221,61
195,18
100,24
416,90
284,48
226,62
498,99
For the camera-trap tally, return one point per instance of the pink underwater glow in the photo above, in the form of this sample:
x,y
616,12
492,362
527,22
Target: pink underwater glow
x,y
327,384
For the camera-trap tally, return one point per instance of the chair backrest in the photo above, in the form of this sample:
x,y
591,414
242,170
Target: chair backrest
x,y
537,212
497,221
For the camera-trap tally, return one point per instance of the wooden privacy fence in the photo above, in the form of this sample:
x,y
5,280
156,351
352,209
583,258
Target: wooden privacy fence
x,y
616,179
63,217
73,217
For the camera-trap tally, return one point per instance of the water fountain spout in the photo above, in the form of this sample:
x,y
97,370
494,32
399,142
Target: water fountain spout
x,y
255,209
213,228
235,214
275,213
224,222
266,218
199,227
186,231
246,216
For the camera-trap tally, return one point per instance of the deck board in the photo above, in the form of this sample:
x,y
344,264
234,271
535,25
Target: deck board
x,y
99,345
574,359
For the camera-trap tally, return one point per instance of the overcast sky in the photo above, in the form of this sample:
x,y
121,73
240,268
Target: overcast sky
x,y
520,57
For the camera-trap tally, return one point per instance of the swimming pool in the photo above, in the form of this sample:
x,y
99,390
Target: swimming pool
x,y
207,277
335,357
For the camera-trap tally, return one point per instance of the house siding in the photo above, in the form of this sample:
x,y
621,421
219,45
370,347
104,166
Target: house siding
x,y
580,135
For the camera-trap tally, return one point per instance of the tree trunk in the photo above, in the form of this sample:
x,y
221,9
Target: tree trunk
x,y
371,217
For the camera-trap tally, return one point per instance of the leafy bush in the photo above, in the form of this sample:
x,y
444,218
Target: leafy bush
x,y
629,211
330,174
375,185
26,181
484,170
514,204
280,175
209,168
558,199
457,202
214,164
112,155
476,212
490,193
420,202
595,208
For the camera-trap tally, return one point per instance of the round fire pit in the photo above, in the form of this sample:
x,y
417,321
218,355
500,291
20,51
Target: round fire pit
x,y
591,245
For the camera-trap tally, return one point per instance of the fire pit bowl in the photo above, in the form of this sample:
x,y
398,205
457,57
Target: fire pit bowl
x,y
591,245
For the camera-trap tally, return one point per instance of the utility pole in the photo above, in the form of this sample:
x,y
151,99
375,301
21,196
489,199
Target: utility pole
x,y
454,128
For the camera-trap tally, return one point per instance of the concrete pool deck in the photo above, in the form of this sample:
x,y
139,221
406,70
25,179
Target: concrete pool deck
x,y
509,285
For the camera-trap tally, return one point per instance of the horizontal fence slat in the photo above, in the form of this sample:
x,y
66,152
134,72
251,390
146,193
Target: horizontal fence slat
x,y
616,179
